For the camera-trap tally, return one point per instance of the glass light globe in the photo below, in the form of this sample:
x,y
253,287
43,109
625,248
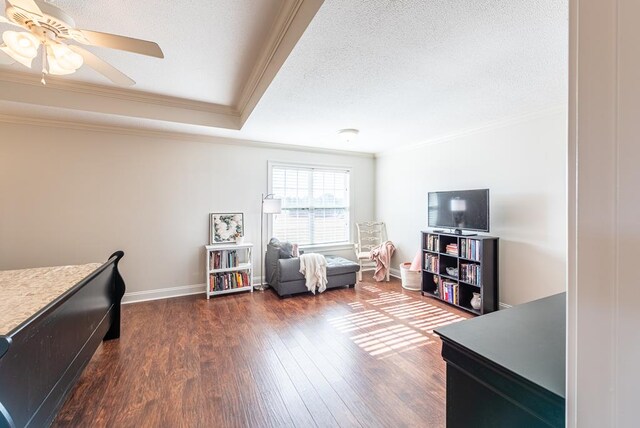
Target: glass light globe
x,y
66,58
23,44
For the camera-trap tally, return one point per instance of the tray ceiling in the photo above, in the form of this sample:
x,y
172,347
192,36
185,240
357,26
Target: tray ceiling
x,y
401,71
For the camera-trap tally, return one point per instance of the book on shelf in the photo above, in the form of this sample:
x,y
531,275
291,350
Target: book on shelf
x,y
448,291
431,263
433,242
228,281
223,259
470,248
471,273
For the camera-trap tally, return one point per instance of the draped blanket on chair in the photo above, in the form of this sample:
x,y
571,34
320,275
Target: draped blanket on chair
x,y
314,268
382,256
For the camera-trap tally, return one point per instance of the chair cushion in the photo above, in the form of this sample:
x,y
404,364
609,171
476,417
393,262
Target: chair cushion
x,y
337,265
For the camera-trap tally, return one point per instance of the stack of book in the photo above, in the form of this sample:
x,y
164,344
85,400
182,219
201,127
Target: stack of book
x,y
228,281
452,249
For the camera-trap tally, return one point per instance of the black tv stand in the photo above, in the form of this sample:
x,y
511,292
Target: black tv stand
x,y
454,267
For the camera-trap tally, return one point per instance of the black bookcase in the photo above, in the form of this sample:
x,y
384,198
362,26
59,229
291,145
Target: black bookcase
x,y
472,263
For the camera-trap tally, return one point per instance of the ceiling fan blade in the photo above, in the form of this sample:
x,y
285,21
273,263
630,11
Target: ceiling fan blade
x,y
28,5
123,43
107,70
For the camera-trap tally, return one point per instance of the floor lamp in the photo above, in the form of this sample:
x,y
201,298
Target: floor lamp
x,y
270,205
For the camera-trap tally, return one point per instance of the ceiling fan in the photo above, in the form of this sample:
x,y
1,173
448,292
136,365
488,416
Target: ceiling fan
x,y
51,28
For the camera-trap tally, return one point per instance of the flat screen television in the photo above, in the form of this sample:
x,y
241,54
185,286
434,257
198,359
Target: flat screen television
x,y
459,210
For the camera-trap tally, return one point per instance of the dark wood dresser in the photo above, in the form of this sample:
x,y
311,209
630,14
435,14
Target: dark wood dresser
x,y
507,368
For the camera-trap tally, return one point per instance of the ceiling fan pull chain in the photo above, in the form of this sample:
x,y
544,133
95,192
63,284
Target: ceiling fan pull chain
x,y
44,63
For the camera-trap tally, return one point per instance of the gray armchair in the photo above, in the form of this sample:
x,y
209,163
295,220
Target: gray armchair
x,y
282,270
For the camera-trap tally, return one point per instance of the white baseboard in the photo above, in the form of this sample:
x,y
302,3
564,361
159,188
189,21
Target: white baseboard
x,y
163,293
167,293
395,273
188,290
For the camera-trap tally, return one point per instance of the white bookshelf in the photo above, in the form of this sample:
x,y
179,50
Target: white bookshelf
x,y
227,275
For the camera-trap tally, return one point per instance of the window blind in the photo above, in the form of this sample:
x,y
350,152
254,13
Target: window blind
x,y
315,204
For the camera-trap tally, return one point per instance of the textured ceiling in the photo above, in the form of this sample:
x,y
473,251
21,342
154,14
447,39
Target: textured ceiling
x,y
406,71
401,71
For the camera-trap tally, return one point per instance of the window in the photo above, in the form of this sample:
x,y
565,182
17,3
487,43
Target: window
x,y
315,204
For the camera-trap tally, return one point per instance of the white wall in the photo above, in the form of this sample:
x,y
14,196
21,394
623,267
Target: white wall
x,y
523,163
603,319
70,196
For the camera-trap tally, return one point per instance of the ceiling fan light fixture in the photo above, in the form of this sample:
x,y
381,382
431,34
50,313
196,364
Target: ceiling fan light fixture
x,y
21,44
65,58
56,70
54,67
51,27
348,135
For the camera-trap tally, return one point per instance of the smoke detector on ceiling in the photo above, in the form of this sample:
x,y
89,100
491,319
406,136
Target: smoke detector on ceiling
x,y
348,135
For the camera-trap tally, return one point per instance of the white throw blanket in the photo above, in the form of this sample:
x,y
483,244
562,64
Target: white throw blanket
x,y
314,268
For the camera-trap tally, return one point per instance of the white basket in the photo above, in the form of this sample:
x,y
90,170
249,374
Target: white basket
x,y
411,280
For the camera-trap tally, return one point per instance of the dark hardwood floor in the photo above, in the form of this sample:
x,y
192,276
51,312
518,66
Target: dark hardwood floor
x,y
363,357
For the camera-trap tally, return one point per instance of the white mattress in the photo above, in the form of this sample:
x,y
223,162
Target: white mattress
x,y
26,291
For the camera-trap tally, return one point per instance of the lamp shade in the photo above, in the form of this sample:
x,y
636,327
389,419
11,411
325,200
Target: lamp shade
x,y
272,206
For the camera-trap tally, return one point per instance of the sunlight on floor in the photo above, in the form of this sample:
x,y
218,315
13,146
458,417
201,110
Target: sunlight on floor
x,y
412,309
388,297
418,318
388,339
422,315
356,305
360,320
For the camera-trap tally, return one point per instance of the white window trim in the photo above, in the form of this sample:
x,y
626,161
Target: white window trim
x,y
348,244
341,246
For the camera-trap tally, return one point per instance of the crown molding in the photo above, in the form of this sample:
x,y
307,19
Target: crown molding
x,y
291,23
113,101
168,135
54,82
496,124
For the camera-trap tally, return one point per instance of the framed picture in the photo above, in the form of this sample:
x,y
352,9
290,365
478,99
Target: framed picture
x,y
225,227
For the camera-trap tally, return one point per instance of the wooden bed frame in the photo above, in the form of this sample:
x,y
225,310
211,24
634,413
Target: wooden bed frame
x,y
41,359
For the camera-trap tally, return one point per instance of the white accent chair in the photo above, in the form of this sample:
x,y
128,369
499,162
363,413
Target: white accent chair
x,y
370,235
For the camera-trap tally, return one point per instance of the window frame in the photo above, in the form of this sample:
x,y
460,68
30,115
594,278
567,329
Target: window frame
x,y
348,244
